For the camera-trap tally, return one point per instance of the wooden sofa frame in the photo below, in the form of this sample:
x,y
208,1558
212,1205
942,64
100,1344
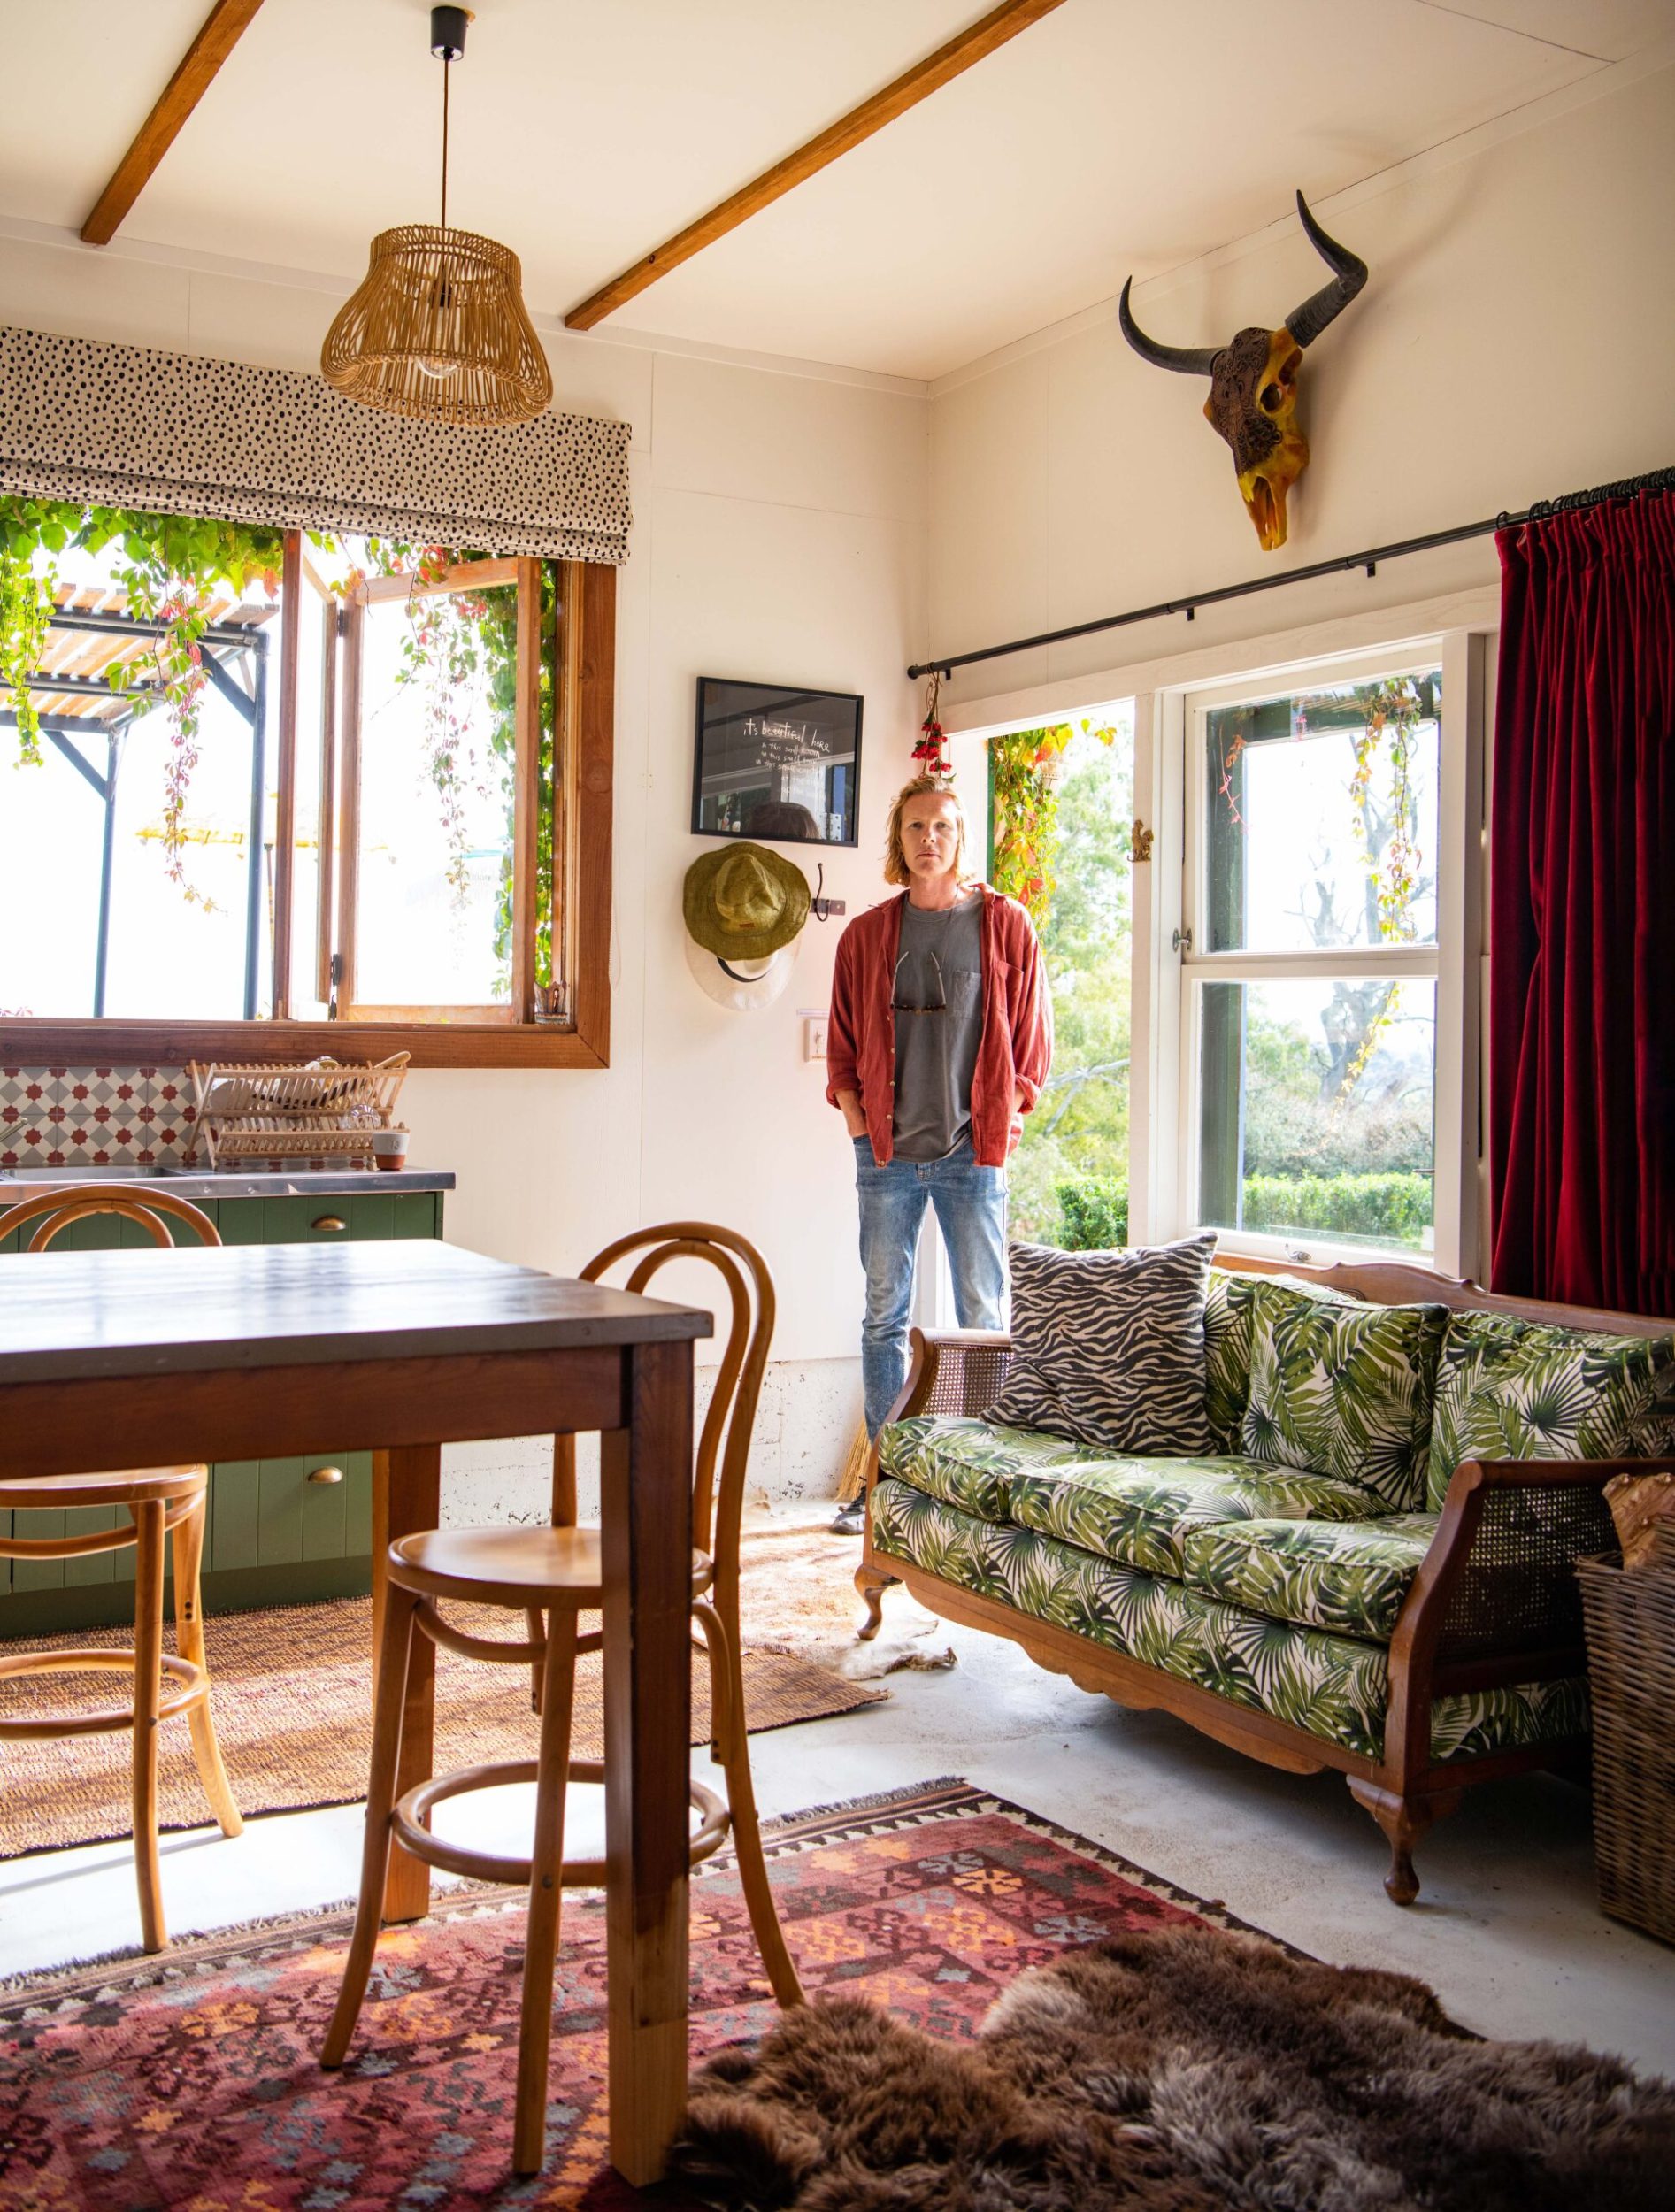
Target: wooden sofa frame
x,y
1495,1601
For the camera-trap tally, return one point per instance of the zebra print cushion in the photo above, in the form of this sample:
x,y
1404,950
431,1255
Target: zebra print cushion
x,y
1110,1346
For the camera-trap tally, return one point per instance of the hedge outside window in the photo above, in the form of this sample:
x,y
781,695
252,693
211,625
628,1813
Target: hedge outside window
x,y
321,790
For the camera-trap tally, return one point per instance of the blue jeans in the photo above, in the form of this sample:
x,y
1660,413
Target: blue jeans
x,y
970,1211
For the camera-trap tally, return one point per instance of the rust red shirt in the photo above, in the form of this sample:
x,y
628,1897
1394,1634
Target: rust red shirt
x,y
1013,1054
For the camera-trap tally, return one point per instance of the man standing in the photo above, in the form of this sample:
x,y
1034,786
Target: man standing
x,y
939,1041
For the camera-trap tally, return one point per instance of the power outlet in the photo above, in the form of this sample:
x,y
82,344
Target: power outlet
x,y
814,1036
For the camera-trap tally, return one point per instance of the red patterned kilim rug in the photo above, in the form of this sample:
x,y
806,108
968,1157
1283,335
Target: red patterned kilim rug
x,y
191,2079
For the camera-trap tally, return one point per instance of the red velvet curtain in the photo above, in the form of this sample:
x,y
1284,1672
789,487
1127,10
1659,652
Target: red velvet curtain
x,y
1582,914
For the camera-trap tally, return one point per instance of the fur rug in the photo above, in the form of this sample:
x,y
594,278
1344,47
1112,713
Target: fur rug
x,y
796,1595
1185,2071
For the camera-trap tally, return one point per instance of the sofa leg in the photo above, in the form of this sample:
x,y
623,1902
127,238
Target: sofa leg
x,y
1404,1820
871,1582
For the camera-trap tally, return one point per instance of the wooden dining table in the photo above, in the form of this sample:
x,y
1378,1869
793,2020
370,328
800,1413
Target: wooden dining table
x,y
149,1358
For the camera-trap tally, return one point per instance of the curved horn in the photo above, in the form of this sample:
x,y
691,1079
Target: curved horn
x,y
1187,360
1306,323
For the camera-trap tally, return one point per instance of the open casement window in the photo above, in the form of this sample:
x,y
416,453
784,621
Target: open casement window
x,y
439,880
419,860
1323,1024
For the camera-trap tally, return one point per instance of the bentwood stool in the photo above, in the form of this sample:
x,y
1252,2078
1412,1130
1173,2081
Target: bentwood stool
x,y
551,1575
160,1501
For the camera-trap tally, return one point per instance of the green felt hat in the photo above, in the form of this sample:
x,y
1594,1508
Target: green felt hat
x,y
744,902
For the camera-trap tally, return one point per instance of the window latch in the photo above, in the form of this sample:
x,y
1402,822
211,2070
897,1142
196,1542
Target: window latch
x,y
337,977
1181,942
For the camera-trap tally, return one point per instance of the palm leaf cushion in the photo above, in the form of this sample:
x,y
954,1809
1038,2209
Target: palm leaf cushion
x,y
1228,1345
1335,1686
1108,1347
1513,1389
1344,1390
968,1463
1226,1355
1349,1577
1134,1510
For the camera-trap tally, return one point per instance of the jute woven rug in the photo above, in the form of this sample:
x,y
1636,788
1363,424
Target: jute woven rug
x,y
293,1699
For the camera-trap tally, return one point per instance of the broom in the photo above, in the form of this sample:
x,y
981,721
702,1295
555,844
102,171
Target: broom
x,y
853,1478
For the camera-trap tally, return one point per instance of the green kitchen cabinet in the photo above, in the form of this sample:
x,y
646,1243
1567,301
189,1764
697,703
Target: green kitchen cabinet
x,y
280,1532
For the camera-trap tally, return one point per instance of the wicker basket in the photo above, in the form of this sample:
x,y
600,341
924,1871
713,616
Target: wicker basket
x,y
256,1111
1630,1613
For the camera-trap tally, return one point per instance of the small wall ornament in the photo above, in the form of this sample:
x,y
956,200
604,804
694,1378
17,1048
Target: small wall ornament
x,y
1253,383
931,752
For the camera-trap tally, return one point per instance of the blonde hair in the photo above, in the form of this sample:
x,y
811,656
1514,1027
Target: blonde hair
x,y
895,867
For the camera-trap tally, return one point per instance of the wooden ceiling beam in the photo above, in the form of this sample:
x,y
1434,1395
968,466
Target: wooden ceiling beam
x,y
960,54
223,27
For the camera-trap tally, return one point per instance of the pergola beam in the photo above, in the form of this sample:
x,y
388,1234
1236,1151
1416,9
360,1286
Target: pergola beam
x,y
223,27
917,83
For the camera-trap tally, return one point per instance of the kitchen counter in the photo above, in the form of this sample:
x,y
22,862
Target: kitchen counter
x,y
193,1183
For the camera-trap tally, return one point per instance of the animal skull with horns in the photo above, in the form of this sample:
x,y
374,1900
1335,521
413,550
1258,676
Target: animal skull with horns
x,y
1253,383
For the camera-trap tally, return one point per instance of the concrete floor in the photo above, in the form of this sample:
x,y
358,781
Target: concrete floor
x,y
1506,1929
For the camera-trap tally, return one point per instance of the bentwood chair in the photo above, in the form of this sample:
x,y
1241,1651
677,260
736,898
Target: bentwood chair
x,y
551,1575
159,1501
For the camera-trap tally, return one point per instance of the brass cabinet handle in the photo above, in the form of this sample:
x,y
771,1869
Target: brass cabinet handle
x,y
330,1221
325,1474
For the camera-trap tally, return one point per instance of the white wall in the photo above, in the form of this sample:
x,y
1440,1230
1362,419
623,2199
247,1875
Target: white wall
x,y
778,536
1514,342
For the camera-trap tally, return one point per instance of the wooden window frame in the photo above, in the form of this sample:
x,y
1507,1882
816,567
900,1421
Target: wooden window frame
x,y
583,776
1452,962
340,830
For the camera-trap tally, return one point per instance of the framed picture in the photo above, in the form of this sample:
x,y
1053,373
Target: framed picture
x,y
776,762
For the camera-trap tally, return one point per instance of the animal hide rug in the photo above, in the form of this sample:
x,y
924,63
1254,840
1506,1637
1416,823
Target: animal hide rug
x,y
1186,2071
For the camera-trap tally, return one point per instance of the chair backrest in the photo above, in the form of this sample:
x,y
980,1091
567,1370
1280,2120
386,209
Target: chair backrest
x,y
55,1210
724,1441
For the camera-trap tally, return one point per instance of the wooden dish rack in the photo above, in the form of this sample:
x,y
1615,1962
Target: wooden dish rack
x,y
253,1109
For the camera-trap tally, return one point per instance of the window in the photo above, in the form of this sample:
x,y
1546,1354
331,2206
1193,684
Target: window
x,y
1062,801
383,806
1312,959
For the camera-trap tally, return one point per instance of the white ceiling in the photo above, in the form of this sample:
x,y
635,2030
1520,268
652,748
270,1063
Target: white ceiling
x,y
1113,136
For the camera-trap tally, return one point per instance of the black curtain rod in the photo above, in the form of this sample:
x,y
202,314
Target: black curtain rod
x,y
1655,481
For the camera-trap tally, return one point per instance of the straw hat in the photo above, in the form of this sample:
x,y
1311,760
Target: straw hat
x,y
745,908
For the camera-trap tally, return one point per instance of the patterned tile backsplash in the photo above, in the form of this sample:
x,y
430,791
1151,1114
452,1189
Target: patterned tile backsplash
x,y
94,1116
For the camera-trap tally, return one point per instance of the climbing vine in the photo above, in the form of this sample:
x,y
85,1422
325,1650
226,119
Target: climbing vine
x,y
167,567
452,641
1393,711
23,636
442,653
1023,768
500,648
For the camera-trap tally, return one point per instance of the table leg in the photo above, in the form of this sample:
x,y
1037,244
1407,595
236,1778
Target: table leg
x,y
407,1494
647,1532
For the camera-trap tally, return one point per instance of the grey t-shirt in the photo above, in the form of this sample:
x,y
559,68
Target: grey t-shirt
x,y
940,968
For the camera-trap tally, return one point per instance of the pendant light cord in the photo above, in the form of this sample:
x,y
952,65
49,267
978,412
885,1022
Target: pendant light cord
x,y
447,67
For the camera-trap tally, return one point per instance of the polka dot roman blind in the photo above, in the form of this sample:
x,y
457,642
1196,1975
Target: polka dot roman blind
x,y
127,427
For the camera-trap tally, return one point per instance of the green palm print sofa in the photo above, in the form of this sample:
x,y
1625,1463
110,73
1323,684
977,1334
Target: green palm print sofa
x,y
1374,1571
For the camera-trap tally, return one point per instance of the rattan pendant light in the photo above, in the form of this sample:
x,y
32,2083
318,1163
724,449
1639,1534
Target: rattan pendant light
x,y
438,329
